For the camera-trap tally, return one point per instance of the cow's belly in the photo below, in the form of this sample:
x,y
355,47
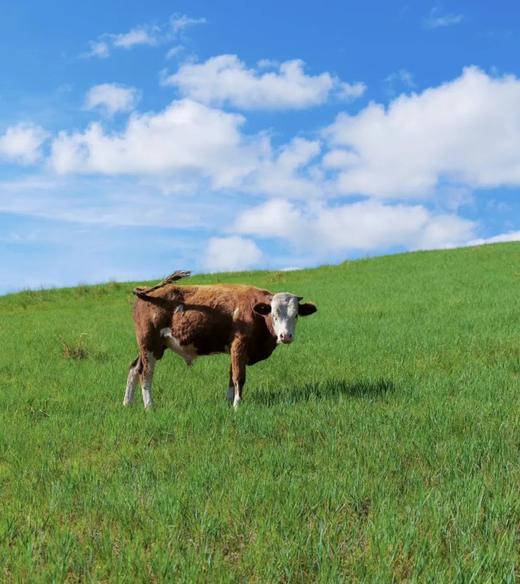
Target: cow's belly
x,y
187,352
198,332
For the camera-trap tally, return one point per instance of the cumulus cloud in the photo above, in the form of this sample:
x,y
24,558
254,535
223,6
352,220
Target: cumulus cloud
x,y
144,34
225,79
185,140
286,172
464,132
194,146
230,254
361,226
111,98
22,143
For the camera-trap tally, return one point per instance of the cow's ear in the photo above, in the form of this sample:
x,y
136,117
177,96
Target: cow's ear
x,y
306,309
262,308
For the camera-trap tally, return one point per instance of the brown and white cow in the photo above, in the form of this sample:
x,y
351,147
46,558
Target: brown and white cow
x,y
246,322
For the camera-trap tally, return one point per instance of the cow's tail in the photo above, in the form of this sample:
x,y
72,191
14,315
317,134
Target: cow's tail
x,y
178,275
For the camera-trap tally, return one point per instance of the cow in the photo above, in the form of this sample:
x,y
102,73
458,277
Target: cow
x,y
195,320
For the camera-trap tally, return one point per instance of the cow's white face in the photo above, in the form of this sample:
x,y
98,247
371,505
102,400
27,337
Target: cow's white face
x,y
285,309
284,312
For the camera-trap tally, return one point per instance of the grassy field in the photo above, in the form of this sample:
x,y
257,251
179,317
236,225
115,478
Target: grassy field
x,y
383,445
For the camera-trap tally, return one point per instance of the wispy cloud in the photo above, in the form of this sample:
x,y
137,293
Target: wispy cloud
x,y
435,19
399,79
174,51
180,22
143,34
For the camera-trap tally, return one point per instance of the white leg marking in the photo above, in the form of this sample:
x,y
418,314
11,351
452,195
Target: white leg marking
x,y
236,401
147,381
133,377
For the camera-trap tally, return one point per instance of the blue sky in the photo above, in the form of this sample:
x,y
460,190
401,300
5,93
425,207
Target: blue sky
x,y
141,137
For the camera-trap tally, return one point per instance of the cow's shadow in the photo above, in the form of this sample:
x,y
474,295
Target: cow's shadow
x,y
328,389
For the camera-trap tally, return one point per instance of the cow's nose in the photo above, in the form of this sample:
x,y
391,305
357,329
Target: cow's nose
x,y
286,338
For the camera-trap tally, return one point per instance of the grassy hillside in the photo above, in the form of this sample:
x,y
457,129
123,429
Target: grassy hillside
x,y
383,444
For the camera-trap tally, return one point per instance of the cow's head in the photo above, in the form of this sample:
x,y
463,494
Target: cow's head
x,y
284,309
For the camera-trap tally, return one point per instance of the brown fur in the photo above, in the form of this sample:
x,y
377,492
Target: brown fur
x,y
208,317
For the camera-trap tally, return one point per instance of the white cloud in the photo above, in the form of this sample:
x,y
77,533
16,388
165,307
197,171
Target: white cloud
x,y
194,147
286,172
174,51
180,22
187,140
230,254
399,79
465,132
501,238
144,34
22,143
437,20
191,166
275,219
349,91
362,226
99,48
112,98
225,79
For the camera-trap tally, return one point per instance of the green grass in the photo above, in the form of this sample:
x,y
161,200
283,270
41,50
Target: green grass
x,y
383,445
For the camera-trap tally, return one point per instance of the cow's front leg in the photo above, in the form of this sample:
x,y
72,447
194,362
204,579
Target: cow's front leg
x,y
231,387
147,378
238,369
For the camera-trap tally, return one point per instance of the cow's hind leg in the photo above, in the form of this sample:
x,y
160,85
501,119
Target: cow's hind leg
x,y
133,378
147,378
